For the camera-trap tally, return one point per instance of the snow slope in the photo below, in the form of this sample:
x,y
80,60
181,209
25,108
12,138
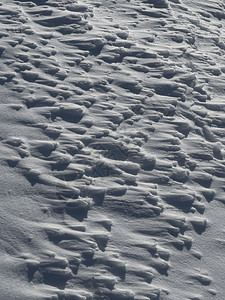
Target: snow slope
x,y
112,149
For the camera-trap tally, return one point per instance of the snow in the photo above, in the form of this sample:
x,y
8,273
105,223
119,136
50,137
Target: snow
x,y
111,150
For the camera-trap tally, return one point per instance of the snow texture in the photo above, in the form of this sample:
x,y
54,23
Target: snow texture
x,y
112,135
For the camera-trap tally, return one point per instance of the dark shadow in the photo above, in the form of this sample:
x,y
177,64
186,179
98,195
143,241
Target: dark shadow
x,y
12,163
188,245
44,152
87,258
174,231
78,213
31,178
158,3
204,182
131,87
98,199
185,207
102,242
52,135
70,119
199,229
60,167
209,195
55,280
179,246
37,2
117,269
31,271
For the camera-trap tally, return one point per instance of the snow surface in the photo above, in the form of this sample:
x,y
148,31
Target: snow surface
x,y
112,134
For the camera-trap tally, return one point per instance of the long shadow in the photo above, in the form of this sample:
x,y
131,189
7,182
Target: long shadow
x,y
37,2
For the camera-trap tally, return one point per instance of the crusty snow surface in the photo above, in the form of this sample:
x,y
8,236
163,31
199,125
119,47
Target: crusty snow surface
x,y
112,134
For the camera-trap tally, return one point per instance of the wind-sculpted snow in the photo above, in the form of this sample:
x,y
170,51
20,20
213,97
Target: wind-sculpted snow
x,y
112,149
